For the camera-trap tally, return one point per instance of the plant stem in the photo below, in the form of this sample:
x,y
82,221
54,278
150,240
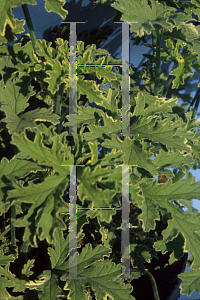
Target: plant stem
x,y
30,25
59,105
154,286
176,202
168,84
103,151
154,40
194,110
180,175
193,100
157,77
196,105
13,217
3,221
4,232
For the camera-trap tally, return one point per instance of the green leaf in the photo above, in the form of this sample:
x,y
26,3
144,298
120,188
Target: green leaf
x,y
180,20
56,6
162,133
176,245
5,259
186,189
46,203
87,188
191,281
56,75
54,157
90,264
110,127
21,53
16,168
138,260
13,169
186,223
6,15
181,72
147,17
174,160
10,34
184,61
90,53
12,97
10,26
10,280
99,275
149,214
55,63
135,189
60,250
108,237
47,286
86,115
26,268
134,153
89,88
17,124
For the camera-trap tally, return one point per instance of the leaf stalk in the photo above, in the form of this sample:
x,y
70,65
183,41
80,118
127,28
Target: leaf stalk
x,y
180,175
58,107
157,77
13,217
30,25
154,286
154,41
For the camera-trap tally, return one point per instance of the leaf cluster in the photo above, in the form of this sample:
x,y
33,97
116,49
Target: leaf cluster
x,y
34,183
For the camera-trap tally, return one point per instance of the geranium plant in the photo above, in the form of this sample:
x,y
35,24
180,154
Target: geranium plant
x,y
34,184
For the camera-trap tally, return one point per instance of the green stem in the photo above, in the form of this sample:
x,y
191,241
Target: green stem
x,y
154,286
175,171
4,221
59,105
194,110
196,105
30,25
194,99
157,77
13,217
103,151
154,41
180,175
4,232
176,202
168,84
25,250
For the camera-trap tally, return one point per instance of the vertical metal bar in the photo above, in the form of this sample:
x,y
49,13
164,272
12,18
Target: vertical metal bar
x,y
72,83
125,81
73,227
125,244
125,223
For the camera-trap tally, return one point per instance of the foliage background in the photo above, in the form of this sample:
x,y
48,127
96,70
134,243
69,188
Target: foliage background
x,y
85,10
